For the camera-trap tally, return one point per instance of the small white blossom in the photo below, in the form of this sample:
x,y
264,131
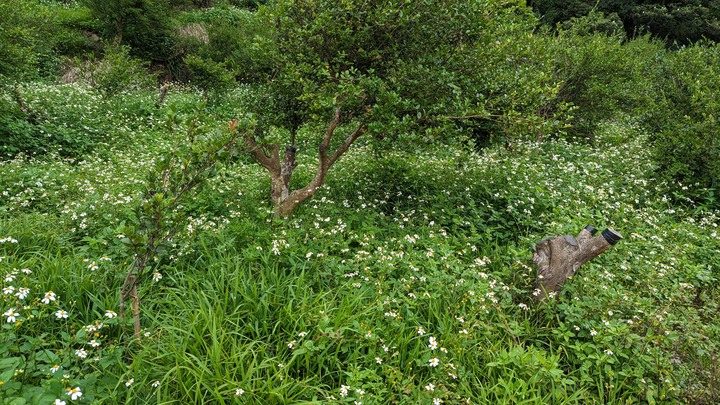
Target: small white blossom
x,y
61,314
11,314
239,392
74,393
49,296
434,362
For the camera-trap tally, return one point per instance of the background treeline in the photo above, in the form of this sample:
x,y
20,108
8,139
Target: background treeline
x,y
676,22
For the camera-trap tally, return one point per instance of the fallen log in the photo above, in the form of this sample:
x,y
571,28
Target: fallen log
x,y
559,258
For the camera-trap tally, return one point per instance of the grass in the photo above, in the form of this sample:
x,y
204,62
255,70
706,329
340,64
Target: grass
x,y
406,280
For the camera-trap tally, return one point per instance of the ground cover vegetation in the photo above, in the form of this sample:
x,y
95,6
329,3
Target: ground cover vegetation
x,y
336,202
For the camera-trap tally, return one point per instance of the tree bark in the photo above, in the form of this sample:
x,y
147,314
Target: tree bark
x,y
285,201
559,258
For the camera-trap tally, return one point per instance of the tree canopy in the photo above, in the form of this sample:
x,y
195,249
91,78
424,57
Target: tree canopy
x,y
383,68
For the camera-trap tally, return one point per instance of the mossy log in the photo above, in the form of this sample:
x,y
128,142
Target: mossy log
x,y
559,258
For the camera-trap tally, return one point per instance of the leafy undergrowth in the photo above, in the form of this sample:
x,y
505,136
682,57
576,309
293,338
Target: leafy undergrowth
x,y
406,280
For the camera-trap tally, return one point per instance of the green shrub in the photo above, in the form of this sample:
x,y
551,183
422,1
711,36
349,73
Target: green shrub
x,y
210,76
233,37
603,74
119,72
687,140
24,30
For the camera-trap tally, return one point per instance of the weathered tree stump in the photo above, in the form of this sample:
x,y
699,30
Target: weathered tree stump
x,y
559,258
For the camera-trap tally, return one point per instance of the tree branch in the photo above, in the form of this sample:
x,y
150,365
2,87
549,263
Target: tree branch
x,y
271,163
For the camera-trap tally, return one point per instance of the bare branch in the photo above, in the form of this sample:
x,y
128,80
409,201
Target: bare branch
x,y
361,129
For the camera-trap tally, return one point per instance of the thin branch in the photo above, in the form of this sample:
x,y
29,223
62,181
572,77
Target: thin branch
x,y
325,144
361,129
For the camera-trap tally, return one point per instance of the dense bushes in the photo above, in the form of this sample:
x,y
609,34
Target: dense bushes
x,y
687,128
604,75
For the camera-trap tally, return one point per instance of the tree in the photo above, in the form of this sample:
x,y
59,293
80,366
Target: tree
x,y
144,25
346,69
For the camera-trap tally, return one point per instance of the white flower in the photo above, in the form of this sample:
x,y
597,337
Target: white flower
x,y
8,290
74,393
344,390
59,402
9,277
434,361
378,360
11,314
60,314
22,293
430,387
110,313
49,296
420,331
433,343
26,271
92,266
593,332
608,352
129,382
81,353
437,401
156,383
239,392
54,368
94,343
157,276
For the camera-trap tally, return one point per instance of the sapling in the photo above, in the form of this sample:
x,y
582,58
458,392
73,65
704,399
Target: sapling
x,y
172,182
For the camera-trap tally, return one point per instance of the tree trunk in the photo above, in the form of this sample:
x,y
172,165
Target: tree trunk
x,y
559,258
284,200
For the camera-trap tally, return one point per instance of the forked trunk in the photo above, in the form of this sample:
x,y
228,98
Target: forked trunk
x,y
284,200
